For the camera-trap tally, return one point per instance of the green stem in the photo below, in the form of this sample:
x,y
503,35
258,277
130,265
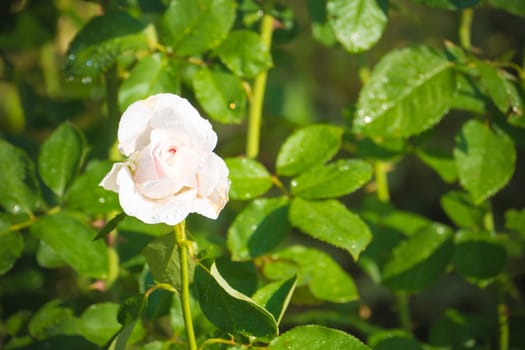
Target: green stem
x,y
503,319
381,177
259,86
180,235
465,27
404,311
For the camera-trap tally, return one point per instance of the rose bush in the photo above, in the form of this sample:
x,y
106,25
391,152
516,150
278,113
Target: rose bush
x,y
171,169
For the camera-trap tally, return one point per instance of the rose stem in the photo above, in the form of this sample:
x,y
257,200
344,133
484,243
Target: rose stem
x,y
180,235
465,28
259,85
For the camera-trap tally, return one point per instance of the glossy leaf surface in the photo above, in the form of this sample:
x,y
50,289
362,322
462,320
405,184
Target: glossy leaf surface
x,y
249,178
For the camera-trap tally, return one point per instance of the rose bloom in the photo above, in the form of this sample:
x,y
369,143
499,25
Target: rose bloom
x,y
171,169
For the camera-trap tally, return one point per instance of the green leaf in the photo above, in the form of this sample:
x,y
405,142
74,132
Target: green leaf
x,y
72,241
449,4
259,228
11,247
485,160
60,157
321,30
47,257
85,194
244,53
314,337
110,226
220,94
419,260
162,256
276,296
307,147
409,91
230,310
19,190
330,221
393,340
478,255
442,162
100,42
461,209
152,75
249,178
98,323
333,180
53,319
515,220
357,24
190,27
128,316
468,96
326,280
516,7
240,275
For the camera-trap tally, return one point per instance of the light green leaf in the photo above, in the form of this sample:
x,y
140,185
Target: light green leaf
x,y
419,260
321,30
333,180
515,220
478,255
485,160
260,227
191,27
47,257
86,195
100,42
60,157
19,190
244,53
326,280
276,296
461,209
357,24
468,96
11,246
152,75
98,323
442,162
230,310
409,91
314,337
163,259
221,95
53,319
249,178
72,241
307,147
330,221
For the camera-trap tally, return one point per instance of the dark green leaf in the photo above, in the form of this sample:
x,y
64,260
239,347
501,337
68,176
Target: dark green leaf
x,y
19,190
53,319
260,227
468,96
221,95
276,296
229,309
410,90
442,162
515,220
314,337
516,7
461,209
191,27
110,226
240,275
357,24
152,75
307,147
100,42
128,316
485,160
321,30
325,278
249,178
331,222
380,149
163,259
244,53
98,323
11,246
60,157
333,180
72,241
419,260
393,340
478,255
86,195
449,4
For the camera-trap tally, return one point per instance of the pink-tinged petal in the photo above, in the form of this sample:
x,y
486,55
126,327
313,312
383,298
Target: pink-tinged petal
x,y
109,182
216,196
134,130
145,165
211,174
161,188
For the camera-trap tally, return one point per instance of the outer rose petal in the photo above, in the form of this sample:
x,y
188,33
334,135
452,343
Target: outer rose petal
x,y
133,130
170,211
216,190
109,182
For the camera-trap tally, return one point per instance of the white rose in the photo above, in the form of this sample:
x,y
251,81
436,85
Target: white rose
x,y
171,169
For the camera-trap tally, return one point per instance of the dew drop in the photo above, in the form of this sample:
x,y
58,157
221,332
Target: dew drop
x,y
71,57
89,63
367,119
102,200
86,80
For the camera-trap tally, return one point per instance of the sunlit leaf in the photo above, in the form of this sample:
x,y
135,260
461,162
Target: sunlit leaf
x,y
276,296
515,220
98,323
442,162
249,178
461,209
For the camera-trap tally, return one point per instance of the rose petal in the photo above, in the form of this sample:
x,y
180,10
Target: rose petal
x,y
134,130
109,182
